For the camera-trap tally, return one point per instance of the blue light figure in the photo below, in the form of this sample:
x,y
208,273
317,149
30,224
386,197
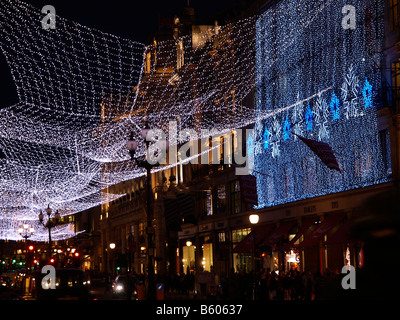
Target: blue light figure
x,y
286,129
250,145
334,106
367,94
266,138
309,118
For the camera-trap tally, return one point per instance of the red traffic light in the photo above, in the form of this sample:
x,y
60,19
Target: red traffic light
x,y
76,254
52,260
31,248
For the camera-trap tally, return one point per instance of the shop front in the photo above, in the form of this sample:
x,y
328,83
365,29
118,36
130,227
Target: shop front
x,y
197,254
188,257
310,243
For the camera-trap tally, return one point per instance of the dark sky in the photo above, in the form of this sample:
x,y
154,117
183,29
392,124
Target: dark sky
x,y
132,19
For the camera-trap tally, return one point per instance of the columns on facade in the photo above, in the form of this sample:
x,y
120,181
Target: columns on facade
x,y
395,148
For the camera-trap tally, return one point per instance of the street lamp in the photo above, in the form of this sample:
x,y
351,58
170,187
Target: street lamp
x,y
132,146
51,223
254,218
26,232
110,257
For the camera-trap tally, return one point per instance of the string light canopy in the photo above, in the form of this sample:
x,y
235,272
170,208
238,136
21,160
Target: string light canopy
x,y
82,92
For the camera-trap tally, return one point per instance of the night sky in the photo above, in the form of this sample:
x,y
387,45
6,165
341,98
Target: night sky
x,y
132,19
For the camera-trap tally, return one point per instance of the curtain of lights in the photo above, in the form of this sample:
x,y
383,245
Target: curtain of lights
x,y
328,75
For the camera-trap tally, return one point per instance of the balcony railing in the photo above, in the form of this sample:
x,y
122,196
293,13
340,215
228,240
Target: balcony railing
x,y
388,96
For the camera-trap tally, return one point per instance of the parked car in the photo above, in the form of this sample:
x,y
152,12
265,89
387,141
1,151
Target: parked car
x,y
71,284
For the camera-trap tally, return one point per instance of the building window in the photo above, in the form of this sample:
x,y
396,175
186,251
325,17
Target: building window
x,y
148,62
384,137
395,79
221,198
142,229
393,13
188,259
241,261
221,237
131,230
362,163
207,261
206,204
288,182
221,149
234,187
309,169
180,55
239,234
209,211
270,190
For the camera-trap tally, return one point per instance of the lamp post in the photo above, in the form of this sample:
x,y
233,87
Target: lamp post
x,y
26,232
51,223
111,257
254,218
132,146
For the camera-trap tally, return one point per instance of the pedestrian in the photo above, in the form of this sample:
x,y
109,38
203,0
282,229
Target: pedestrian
x,y
308,282
273,286
129,286
286,286
107,284
298,288
263,285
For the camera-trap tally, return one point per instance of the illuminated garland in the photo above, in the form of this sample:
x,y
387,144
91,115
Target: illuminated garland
x,y
81,92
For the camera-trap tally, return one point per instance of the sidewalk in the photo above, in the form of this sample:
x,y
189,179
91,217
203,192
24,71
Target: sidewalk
x,y
179,296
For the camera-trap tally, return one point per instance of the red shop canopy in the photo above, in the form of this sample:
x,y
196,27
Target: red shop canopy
x,y
246,245
316,235
342,235
305,225
276,234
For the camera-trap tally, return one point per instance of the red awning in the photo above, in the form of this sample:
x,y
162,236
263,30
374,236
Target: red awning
x,y
305,225
316,235
276,234
246,245
342,235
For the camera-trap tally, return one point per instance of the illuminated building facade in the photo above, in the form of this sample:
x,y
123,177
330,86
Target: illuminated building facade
x,y
326,73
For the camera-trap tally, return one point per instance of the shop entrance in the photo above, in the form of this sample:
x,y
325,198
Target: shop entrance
x,y
188,259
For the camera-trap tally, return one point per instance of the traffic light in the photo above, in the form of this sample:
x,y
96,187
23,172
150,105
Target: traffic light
x,y
52,260
31,248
